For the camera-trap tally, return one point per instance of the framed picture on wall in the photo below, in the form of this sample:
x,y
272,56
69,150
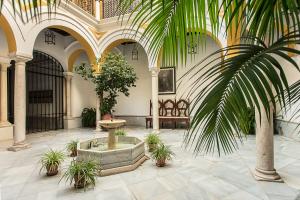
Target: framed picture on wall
x,y
167,80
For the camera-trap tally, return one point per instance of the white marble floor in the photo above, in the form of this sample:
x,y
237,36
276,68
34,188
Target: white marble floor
x,y
186,177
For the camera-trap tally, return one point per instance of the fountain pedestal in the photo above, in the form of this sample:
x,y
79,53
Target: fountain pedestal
x,y
111,126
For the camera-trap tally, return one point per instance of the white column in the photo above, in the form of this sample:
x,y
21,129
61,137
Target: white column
x,y
6,128
20,105
98,9
68,76
3,94
155,115
98,114
265,170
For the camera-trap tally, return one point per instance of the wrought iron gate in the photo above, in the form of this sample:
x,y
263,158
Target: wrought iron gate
x,y
44,86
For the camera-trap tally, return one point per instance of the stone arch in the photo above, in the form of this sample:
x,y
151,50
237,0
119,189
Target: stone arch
x,y
67,24
116,37
11,30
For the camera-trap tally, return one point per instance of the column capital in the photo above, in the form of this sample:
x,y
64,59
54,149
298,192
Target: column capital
x,y
154,71
22,58
68,75
4,61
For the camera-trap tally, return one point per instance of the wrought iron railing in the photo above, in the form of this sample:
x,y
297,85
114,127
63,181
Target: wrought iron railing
x,y
108,8
111,8
86,5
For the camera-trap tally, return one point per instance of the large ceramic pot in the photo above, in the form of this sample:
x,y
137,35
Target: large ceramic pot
x,y
106,117
73,153
79,181
52,170
161,162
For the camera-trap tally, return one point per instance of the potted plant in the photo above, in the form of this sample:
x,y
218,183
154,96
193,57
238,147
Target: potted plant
x,y
81,173
51,161
88,117
152,140
161,154
72,148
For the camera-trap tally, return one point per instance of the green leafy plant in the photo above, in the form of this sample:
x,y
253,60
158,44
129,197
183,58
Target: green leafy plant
x,y
120,132
51,161
161,154
152,141
81,173
247,122
88,117
72,148
116,76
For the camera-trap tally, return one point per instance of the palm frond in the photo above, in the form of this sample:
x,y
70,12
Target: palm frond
x,y
168,22
250,76
31,9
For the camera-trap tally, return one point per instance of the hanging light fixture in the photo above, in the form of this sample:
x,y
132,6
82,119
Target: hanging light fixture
x,y
49,37
192,48
135,53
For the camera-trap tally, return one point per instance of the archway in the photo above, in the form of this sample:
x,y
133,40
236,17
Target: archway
x,y
141,94
45,93
9,35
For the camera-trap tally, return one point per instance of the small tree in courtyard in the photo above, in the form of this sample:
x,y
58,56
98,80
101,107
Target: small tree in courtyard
x,y
116,76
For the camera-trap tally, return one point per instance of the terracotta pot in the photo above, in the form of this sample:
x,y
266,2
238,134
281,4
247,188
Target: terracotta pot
x,y
79,181
52,170
73,153
151,147
106,117
161,163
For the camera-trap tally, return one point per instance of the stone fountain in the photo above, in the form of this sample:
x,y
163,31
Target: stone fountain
x,y
114,154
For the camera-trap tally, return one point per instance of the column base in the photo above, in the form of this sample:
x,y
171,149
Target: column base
x,y
156,131
267,175
7,131
72,122
19,146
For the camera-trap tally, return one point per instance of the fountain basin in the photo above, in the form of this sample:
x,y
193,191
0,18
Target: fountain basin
x,y
128,154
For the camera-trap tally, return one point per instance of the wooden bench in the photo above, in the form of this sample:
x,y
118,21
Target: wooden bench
x,y
170,111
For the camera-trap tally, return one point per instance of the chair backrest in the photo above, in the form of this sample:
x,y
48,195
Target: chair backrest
x,y
160,108
183,108
169,108
180,108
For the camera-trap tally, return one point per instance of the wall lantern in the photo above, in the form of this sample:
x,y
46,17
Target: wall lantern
x,y
49,37
135,53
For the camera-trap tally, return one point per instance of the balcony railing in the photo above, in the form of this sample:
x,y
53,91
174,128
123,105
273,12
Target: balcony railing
x,y
107,9
86,5
111,8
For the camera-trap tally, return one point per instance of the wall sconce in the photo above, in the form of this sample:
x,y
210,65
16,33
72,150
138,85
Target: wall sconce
x,y
135,53
192,48
49,37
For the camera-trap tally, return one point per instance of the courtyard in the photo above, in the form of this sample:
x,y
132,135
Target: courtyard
x,y
186,177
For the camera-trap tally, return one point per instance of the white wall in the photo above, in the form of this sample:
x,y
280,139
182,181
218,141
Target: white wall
x,y
83,93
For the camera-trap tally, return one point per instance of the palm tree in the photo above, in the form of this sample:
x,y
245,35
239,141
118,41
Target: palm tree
x,y
251,75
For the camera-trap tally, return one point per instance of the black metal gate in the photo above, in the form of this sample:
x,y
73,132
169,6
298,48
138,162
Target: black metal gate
x,y
44,86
